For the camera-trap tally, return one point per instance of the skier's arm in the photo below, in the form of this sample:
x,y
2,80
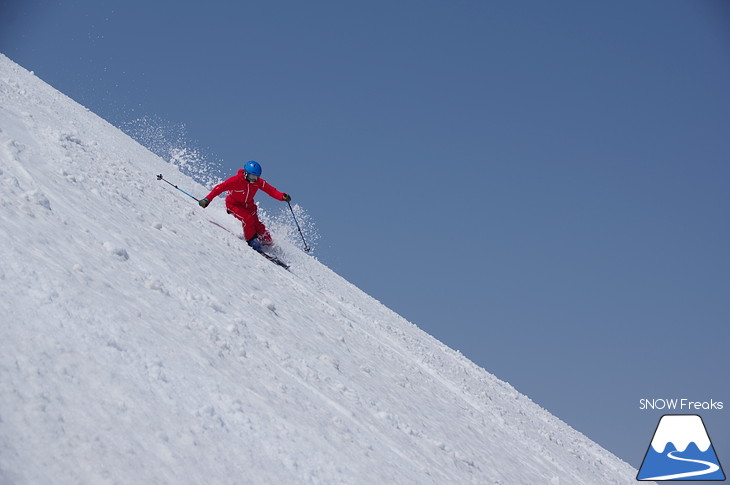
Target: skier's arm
x,y
220,188
272,191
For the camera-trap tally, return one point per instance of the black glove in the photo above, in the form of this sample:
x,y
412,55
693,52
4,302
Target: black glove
x,y
203,203
287,198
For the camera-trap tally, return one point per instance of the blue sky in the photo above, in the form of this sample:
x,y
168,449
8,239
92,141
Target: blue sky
x,y
540,185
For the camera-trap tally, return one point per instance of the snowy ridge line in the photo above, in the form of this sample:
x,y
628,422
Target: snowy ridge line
x,y
477,405
143,345
330,307
431,363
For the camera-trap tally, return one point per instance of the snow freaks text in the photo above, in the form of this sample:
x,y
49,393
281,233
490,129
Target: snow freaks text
x,y
680,405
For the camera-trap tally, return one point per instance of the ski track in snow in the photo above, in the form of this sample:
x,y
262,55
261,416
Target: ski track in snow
x,y
141,344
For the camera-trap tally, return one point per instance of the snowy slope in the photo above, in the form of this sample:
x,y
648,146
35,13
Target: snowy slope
x,y
139,343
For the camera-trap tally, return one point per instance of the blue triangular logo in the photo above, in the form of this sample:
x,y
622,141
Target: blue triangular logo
x,y
681,450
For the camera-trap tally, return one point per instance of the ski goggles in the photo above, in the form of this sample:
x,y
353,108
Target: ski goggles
x,y
251,177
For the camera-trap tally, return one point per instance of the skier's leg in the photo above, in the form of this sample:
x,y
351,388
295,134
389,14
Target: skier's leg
x,y
248,220
263,233
249,226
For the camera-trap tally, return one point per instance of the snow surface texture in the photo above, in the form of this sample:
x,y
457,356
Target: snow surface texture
x,y
139,343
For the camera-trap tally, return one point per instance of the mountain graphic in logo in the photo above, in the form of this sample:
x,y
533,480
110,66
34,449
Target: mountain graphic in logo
x,y
681,450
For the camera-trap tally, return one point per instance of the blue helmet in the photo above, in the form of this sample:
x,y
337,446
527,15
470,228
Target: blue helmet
x,y
253,168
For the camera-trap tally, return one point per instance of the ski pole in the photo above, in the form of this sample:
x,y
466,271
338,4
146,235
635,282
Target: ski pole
x,y
306,248
160,177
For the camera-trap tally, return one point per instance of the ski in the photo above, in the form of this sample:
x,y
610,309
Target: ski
x,y
268,256
273,259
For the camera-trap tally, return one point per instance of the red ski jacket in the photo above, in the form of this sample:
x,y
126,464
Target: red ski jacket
x,y
241,191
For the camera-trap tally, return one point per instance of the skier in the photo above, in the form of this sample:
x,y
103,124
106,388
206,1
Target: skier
x,y
239,202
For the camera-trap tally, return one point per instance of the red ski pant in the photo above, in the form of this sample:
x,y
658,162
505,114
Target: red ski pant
x,y
250,220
